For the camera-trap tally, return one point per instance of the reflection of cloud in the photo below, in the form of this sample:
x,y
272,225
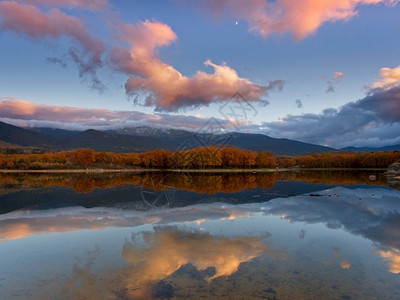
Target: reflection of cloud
x,y
393,256
82,283
153,256
167,249
345,264
20,224
371,213
336,252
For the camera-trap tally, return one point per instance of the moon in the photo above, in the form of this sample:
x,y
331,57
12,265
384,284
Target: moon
x,y
236,23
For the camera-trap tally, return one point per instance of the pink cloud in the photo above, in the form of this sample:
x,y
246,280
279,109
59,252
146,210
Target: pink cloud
x,y
164,86
31,21
92,5
332,83
24,113
301,17
338,75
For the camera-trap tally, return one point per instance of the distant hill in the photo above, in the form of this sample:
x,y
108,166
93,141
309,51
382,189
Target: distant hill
x,y
55,132
372,149
23,137
261,142
103,141
176,139
141,139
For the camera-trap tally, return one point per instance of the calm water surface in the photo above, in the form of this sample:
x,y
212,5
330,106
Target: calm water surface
x,y
303,235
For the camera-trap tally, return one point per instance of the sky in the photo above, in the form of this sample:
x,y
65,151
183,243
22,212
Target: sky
x,y
324,72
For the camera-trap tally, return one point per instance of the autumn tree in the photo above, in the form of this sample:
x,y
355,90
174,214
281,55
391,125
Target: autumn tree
x,y
265,160
84,156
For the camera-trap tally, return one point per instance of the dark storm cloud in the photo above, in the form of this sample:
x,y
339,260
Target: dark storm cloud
x,y
373,120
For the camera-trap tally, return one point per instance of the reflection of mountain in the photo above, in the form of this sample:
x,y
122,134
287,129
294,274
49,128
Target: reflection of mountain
x,y
135,198
156,190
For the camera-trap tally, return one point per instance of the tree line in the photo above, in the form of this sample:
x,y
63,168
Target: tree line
x,y
198,158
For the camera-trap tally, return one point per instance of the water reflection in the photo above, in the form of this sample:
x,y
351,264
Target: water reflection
x,y
167,249
205,183
161,190
393,256
288,240
22,224
372,213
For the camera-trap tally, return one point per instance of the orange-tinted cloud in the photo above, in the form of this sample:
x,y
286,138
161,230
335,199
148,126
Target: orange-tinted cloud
x,y
163,85
338,75
152,81
389,79
31,21
331,83
301,18
92,5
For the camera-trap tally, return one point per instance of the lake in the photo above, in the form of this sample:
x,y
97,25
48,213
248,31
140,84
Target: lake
x,y
283,235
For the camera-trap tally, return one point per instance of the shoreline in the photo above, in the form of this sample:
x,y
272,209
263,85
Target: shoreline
x,y
265,170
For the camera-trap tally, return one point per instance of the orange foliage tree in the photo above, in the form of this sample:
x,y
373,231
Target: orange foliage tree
x,y
84,156
197,158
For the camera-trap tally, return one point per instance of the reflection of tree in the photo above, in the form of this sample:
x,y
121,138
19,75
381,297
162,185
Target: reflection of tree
x,y
155,192
84,185
210,183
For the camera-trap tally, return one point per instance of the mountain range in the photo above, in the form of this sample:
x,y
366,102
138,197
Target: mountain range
x,y
141,139
372,149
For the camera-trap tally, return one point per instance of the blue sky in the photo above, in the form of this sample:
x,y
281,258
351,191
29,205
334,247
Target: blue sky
x,y
249,47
